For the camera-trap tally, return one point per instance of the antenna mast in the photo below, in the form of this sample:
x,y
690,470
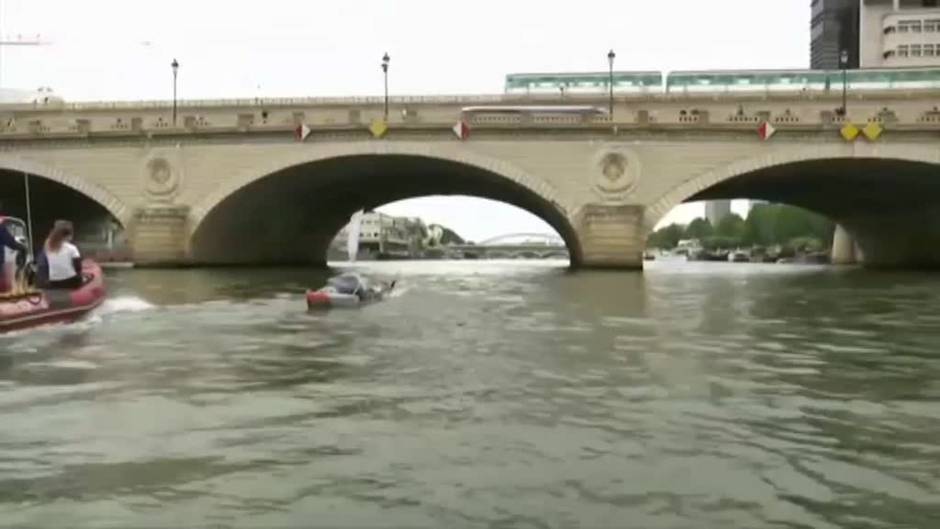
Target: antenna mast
x,y
20,40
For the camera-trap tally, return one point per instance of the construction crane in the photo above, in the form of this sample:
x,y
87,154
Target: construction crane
x,y
19,41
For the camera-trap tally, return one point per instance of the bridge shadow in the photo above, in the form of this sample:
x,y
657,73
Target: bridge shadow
x,y
890,207
291,216
51,200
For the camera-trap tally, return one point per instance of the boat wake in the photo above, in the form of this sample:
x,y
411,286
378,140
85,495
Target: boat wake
x,y
396,292
123,304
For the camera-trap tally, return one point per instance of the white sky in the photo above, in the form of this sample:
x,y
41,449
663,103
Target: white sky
x,y
122,49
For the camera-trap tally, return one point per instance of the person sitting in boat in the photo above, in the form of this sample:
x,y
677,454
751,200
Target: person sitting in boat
x,y
349,283
355,284
13,251
63,260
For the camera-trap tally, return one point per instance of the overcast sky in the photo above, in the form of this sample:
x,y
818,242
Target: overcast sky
x,y
122,49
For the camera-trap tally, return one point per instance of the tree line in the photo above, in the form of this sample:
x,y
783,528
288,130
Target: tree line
x,y
766,225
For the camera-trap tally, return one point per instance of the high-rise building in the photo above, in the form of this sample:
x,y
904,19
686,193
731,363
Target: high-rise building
x,y
899,33
715,210
834,27
875,33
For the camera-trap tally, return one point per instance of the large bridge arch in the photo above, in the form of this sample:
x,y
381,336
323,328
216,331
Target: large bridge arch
x,y
316,190
697,183
114,206
887,196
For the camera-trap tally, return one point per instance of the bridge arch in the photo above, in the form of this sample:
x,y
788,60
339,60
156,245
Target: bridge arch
x,y
115,207
318,189
700,182
886,196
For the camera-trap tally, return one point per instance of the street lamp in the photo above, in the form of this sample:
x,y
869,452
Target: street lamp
x,y
175,66
610,80
844,61
385,60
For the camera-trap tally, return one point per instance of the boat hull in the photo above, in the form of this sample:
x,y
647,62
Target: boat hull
x,y
55,306
322,299
329,297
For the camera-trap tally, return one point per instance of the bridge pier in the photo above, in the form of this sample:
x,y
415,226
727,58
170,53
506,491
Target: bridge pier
x,y
611,237
158,235
843,247
898,239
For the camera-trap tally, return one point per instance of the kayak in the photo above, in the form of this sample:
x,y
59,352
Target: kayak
x,y
43,307
331,297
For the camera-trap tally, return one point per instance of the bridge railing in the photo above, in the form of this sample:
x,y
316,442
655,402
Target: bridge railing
x,y
917,112
284,101
464,99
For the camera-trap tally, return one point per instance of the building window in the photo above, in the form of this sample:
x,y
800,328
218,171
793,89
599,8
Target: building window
x,y
932,25
928,50
915,50
902,51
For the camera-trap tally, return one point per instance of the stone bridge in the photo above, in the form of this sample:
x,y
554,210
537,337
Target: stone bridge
x,y
231,183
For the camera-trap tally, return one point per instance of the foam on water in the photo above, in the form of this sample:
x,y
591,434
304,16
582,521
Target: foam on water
x,y
123,304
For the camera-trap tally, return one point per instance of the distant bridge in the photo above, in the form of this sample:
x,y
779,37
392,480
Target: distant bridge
x,y
549,239
534,246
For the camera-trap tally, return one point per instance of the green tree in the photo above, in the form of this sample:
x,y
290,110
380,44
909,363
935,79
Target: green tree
x,y
699,229
718,242
759,226
773,224
666,238
731,226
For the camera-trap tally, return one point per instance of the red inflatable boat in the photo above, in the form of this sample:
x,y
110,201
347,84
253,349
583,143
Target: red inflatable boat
x,y
54,306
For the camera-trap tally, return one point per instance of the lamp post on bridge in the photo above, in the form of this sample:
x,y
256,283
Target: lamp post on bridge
x,y
610,81
844,62
175,66
385,61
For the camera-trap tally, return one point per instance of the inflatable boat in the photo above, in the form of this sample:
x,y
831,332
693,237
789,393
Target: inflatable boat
x,y
43,307
347,290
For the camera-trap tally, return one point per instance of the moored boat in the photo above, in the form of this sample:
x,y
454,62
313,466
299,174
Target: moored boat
x,y
43,307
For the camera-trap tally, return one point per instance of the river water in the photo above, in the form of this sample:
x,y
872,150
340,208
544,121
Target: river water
x,y
483,394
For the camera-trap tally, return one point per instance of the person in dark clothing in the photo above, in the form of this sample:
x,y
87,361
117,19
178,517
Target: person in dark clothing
x,y
12,251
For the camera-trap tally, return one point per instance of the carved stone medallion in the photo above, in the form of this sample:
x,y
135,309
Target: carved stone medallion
x,y
616,173
161,180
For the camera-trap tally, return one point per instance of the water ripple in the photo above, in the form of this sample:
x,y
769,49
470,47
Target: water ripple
x,y
483,395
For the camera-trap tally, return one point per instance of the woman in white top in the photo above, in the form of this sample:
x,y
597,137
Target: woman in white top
x,y
63,259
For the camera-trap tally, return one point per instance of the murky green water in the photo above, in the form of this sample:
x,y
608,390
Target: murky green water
x,y
483,395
